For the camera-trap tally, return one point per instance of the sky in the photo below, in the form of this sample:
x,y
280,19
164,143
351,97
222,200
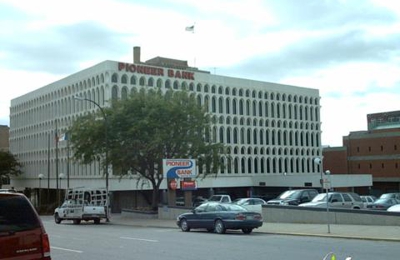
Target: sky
x,y
347,49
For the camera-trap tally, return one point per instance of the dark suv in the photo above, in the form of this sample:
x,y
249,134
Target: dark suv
x,y
22,234
294,197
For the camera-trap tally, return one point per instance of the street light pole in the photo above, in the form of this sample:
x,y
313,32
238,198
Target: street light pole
x,y
106,141
318,162
61,176
327,184
40,176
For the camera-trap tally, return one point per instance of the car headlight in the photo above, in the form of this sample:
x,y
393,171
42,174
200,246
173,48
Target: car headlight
x,y
285,203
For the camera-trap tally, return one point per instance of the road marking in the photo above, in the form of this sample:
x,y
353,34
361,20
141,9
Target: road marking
x,y
140,239
66,249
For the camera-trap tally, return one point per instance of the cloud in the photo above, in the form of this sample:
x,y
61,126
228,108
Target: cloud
x,y
348,113
317,14
62,48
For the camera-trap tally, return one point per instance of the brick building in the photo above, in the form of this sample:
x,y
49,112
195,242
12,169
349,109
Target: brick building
x,y
4,138
375,151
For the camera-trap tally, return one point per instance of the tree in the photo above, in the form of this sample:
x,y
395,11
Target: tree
x,y
144,129
9,165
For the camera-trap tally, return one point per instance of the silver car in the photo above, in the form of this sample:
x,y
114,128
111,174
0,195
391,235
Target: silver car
x,y
368,200
348,200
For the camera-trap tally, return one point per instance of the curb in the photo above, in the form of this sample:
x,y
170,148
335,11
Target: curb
x,y
270,232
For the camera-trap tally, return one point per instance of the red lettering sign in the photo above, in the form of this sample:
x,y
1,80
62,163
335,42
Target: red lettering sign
x,y
188,185
140,69
155,71
178,163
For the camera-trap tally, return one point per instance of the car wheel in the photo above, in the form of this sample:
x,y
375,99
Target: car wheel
x,y
247,230
96,221
219,227
77,221
185,226
57,219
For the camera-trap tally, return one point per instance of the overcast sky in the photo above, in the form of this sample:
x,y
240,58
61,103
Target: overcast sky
x,y
349,50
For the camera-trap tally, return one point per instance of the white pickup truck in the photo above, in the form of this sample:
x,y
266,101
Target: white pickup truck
x,y
220,198
83,204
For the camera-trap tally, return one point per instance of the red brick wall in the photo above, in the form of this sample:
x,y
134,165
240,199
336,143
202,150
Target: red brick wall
x,y
335,160
377,154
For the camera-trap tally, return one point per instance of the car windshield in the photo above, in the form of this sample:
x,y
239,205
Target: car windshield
x,y
233,207
387,195
290,194
215,198
321,197
382,201
239,201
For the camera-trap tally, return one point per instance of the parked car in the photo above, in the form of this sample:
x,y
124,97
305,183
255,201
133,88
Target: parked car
x,y
383,204
394,208
368,200
197,201
251,204
22,234
394,195
347,200
223,198
218,217
249,201
294,197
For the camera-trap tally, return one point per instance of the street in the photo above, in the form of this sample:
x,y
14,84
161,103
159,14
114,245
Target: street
x,y
111,241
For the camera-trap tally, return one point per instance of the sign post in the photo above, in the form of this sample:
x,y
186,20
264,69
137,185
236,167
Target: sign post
x,y
180,171
327,186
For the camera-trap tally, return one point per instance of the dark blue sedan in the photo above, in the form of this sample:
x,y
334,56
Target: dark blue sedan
x,y
218,217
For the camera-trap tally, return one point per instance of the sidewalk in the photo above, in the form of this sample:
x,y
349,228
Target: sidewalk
x,y
383,233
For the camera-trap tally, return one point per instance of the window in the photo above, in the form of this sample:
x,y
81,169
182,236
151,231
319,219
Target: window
x,y
167,84
124,79
142,81
336,198
346,197
150,82
114,78
159,83
133,80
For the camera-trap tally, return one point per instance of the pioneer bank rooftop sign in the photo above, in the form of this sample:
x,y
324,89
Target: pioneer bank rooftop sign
x,y
141,69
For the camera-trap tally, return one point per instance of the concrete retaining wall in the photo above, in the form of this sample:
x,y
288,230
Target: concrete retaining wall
x,y
138,214
293,214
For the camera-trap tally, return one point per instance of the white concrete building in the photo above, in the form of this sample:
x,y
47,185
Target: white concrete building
x,y
273,130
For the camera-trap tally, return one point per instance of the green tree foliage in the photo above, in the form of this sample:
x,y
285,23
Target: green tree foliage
x,y
9,165
144,129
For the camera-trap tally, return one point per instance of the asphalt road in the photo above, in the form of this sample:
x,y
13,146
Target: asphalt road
x,y
110,241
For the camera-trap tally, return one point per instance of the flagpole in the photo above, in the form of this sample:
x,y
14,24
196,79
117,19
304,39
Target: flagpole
x,y
67,139
48,169
191,29
56,137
